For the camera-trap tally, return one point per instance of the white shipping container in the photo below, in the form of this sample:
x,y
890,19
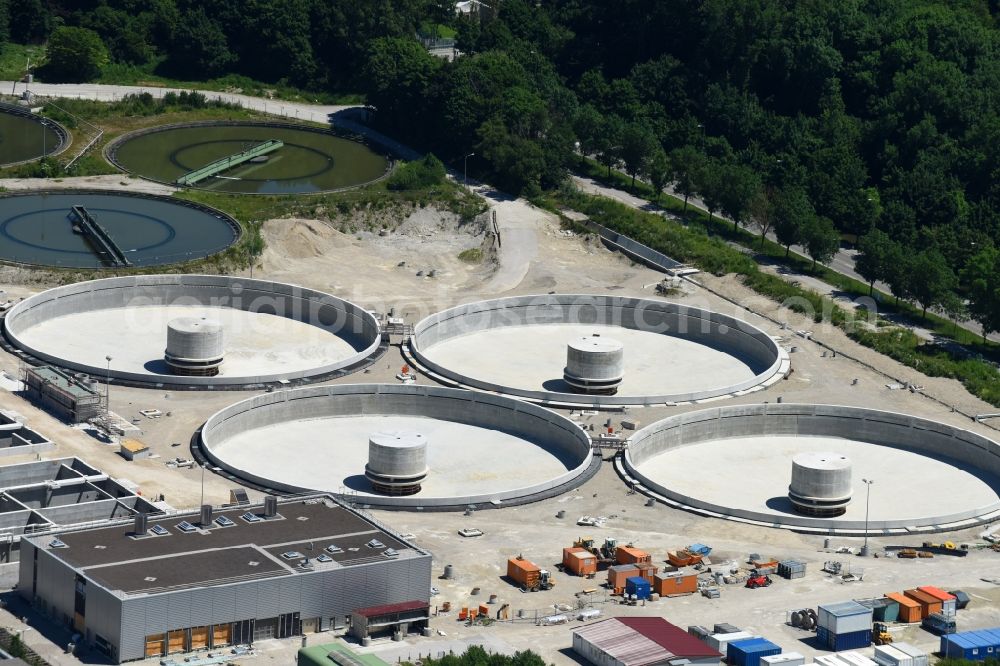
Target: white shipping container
x,y
720,642
918,656
888,655
830,660
784,659
856,659
844,618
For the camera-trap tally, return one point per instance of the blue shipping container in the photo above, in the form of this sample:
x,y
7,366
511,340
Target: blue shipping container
x,y
637,586
748,652
840,642
972,645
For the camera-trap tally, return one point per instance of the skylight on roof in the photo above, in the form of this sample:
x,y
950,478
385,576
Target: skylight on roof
x,y
223,521
57,543
159,530
185,526
292,555
251,517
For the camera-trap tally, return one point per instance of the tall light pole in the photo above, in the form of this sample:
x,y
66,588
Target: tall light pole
x,y
202,503
868,496
107,389
465,168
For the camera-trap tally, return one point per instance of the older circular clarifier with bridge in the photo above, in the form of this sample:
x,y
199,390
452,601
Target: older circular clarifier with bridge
x,y
821,483
248,158
194,346
397,462
25,136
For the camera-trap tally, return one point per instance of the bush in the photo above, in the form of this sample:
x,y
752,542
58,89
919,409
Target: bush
x,y
417,175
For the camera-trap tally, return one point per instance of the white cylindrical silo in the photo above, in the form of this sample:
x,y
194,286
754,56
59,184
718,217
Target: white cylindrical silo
x,y
821,483
194,346
594,364
397,462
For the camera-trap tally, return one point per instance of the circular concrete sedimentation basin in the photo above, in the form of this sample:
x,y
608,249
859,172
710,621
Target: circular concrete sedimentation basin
x,y
273,332
481,449
735,463
25,136
673,353
309,159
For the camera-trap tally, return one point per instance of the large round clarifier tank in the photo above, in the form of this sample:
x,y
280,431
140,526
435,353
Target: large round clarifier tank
x,y
594,364
397,462
194,346
821,483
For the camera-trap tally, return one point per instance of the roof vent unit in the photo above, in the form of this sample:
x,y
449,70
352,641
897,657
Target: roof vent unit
x,y
270,506
375,543
205,519
391,553
185,526
57,543
141,525
323,557
333,549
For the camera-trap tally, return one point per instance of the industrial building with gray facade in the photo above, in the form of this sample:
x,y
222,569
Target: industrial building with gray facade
x,y
153,586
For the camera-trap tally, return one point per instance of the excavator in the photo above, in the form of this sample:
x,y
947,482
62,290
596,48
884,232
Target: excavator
x,y
605,554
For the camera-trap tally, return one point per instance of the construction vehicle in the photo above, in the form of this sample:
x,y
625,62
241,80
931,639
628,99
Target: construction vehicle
x,y
880,634
606,554
528,575
758,579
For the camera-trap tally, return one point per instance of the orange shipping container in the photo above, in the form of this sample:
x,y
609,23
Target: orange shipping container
x,y
579,561
617,575
629,555
909,610
929,604
522,571
936,592
647,571
671,584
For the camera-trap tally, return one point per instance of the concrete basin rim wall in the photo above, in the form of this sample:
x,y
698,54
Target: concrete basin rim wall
x,y
234,226
61,132
113,292
473,317
545,426
111,150
900,430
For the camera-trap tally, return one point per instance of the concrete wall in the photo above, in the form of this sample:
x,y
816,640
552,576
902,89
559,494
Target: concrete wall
x,y
866,425
536,424
721,332
339,317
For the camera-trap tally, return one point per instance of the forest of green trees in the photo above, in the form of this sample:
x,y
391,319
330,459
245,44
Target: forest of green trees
x,y
876,120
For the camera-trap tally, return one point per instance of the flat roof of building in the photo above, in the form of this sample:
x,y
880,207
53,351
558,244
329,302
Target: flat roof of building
x,y
305,535
64,381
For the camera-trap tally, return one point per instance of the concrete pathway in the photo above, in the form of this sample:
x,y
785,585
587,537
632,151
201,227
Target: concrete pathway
x,y
842,262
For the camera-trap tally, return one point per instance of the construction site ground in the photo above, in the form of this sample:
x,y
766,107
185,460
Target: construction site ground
x,y
536,256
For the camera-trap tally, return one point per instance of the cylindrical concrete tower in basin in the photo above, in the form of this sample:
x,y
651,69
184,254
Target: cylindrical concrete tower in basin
x,y
821,483
594,364
194,346
397,462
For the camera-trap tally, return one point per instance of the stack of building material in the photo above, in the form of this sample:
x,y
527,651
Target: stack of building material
x,y
844,626
791,569
749,652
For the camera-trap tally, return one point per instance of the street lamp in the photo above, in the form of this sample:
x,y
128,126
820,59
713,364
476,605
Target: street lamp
x,y
107,388
465,168
868,495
